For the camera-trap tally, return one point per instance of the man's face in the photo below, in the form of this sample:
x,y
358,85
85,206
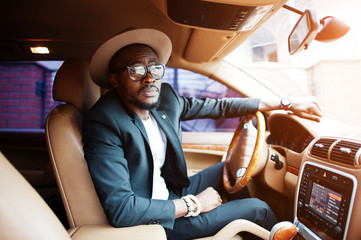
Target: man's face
x,y
137,95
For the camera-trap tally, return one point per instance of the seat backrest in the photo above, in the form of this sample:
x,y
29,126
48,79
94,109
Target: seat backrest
x,y
73,86
23,213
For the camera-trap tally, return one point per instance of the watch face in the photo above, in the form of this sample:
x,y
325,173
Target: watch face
x,y
286,101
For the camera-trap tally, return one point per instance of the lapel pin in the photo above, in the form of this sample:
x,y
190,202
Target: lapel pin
x,y
163,116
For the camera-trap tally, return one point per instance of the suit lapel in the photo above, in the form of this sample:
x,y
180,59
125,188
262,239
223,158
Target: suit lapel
x,y
172,138
138,122
163,121
167,128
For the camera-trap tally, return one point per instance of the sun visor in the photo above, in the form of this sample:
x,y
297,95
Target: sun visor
x,y
218,26
237,16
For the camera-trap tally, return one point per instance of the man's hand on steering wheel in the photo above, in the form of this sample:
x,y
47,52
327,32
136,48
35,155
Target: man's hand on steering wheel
x,y
305,107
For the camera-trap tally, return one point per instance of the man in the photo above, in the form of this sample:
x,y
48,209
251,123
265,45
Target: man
x,y
132,143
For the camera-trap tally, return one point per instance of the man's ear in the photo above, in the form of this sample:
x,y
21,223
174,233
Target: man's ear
x,y
114,81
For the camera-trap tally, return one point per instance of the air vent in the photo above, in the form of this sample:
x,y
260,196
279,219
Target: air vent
x,y
321,146
346,152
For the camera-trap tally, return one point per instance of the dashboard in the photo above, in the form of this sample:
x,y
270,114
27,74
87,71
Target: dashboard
x,y
287,132
327,159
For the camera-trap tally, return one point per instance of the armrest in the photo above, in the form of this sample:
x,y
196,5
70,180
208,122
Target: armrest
x,y
103,231
241,225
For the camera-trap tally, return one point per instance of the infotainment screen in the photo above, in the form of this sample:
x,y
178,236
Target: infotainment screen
x,y
325,201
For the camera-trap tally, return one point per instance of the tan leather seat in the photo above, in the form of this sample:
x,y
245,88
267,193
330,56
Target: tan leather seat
x,y
23,213
74,86
25,216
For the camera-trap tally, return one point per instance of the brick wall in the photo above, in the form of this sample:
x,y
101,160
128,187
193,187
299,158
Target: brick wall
x,y
25,88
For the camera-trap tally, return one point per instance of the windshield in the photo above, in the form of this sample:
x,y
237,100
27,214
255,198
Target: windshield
x,y
329,71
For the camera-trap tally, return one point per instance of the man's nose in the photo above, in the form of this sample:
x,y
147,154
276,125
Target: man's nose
x,y
148,79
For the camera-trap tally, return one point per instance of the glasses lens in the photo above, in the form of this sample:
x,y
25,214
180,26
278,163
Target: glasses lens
x,y
137,72
157,71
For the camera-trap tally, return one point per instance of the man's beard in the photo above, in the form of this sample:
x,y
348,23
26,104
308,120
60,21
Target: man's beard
x,y
146,106
126,98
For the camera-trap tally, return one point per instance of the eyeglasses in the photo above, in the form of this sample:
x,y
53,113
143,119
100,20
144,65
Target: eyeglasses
x,y
137,72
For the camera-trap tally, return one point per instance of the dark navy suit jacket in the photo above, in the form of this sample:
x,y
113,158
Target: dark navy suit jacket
x,y
119,158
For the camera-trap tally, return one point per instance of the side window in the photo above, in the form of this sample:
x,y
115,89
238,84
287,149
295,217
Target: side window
x,y
26,94
190,84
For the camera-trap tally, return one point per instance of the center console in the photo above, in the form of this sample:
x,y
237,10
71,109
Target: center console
x,y
323,203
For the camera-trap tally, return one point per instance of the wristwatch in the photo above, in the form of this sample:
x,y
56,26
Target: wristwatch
x,y
286,103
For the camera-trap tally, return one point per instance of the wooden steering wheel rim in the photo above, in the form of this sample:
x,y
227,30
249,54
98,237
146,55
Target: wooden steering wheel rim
x,y
243,180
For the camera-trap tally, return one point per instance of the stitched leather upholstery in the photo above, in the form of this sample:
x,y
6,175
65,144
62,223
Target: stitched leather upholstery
x,y
73,86
23,213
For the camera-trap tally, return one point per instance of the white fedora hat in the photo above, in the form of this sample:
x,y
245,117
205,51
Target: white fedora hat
x,y
99,64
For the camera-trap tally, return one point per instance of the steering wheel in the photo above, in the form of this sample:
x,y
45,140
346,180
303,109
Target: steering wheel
x,y
236,164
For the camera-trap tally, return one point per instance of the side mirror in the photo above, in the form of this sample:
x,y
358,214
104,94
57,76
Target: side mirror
x,y
304,32
331,29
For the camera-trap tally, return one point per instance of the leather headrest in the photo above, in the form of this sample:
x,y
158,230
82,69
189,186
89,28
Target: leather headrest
x,y
73,84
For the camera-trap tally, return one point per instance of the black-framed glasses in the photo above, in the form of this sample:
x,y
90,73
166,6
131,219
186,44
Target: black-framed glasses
x,y
137,72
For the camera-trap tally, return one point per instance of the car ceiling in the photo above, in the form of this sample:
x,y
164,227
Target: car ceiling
x,y
77,28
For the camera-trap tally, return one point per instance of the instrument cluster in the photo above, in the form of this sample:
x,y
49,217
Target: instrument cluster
x,y
288,133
